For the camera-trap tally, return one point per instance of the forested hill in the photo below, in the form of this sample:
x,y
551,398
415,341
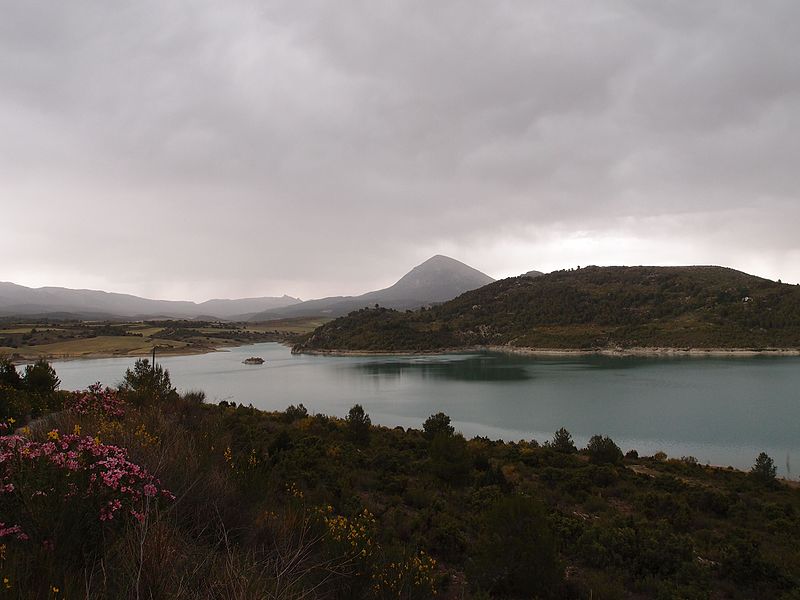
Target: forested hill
x,y
589,308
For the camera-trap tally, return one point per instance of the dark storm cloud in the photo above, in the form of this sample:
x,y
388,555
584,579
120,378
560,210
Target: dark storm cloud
x,y
195,149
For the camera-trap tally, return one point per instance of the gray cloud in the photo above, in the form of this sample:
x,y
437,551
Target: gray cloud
x,y
197,149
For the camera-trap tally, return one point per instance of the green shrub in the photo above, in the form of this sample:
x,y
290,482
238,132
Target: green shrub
x,y
146,384
295,413
515,552
437,424
9,376
602,449
450,458
40,378
764,469
743,562
358,424
562,442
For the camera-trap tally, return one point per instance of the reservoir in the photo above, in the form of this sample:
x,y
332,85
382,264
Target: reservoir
x,y
721,410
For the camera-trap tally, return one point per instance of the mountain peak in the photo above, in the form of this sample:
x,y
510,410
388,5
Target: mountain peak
x,y
440,278
442,260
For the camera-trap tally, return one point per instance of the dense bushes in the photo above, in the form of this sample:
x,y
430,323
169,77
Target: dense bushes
x,y
292,505
30,395
602,449
515,552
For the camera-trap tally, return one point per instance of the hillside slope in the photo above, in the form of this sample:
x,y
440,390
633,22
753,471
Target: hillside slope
x,y
590,308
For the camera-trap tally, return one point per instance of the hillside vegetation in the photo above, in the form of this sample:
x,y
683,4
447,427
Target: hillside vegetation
x,y
139,492
589,308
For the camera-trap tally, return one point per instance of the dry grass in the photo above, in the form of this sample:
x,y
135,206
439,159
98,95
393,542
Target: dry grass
x,y
294,325
106,345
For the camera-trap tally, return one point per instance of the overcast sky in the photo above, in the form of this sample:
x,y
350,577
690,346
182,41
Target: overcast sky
x,y
189,150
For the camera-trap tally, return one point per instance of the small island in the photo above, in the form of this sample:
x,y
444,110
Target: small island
x,y
253,360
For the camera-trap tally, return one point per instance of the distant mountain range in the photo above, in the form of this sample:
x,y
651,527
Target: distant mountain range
x,y
436,280
57,302
594,308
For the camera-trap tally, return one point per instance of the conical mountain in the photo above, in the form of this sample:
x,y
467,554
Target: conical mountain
x,y
438,279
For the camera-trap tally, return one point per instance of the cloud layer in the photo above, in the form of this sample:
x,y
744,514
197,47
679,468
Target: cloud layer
x,y
205,149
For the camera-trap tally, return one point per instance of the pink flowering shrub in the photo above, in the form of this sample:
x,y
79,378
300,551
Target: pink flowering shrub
x,y
13,530
96,401
69,481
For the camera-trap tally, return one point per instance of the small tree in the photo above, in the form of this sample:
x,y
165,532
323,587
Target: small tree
x,y
436,424
295,413
562,442
602,449
40,378
450,458
764,468
147,384
358,424
9,376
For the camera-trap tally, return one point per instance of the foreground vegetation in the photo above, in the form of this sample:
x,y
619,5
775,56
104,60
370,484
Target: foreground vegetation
x,y
141,492
587,309
69,339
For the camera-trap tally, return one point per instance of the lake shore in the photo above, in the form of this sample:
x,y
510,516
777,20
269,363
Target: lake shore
x,y
662,352
513,350
145,353
138,340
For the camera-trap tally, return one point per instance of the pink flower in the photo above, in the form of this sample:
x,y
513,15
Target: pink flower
x,y
107,512
13,530
96,471
96,400
137,515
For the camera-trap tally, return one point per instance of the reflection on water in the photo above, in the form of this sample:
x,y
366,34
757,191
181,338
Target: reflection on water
x,y
720,410
454,367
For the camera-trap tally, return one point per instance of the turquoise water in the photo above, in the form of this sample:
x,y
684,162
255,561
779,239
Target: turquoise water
x,y
723,411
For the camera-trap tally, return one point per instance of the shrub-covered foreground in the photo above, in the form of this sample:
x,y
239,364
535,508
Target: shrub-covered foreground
x,y
142,493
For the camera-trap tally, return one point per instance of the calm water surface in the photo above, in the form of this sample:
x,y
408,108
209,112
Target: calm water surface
x,y
720,410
